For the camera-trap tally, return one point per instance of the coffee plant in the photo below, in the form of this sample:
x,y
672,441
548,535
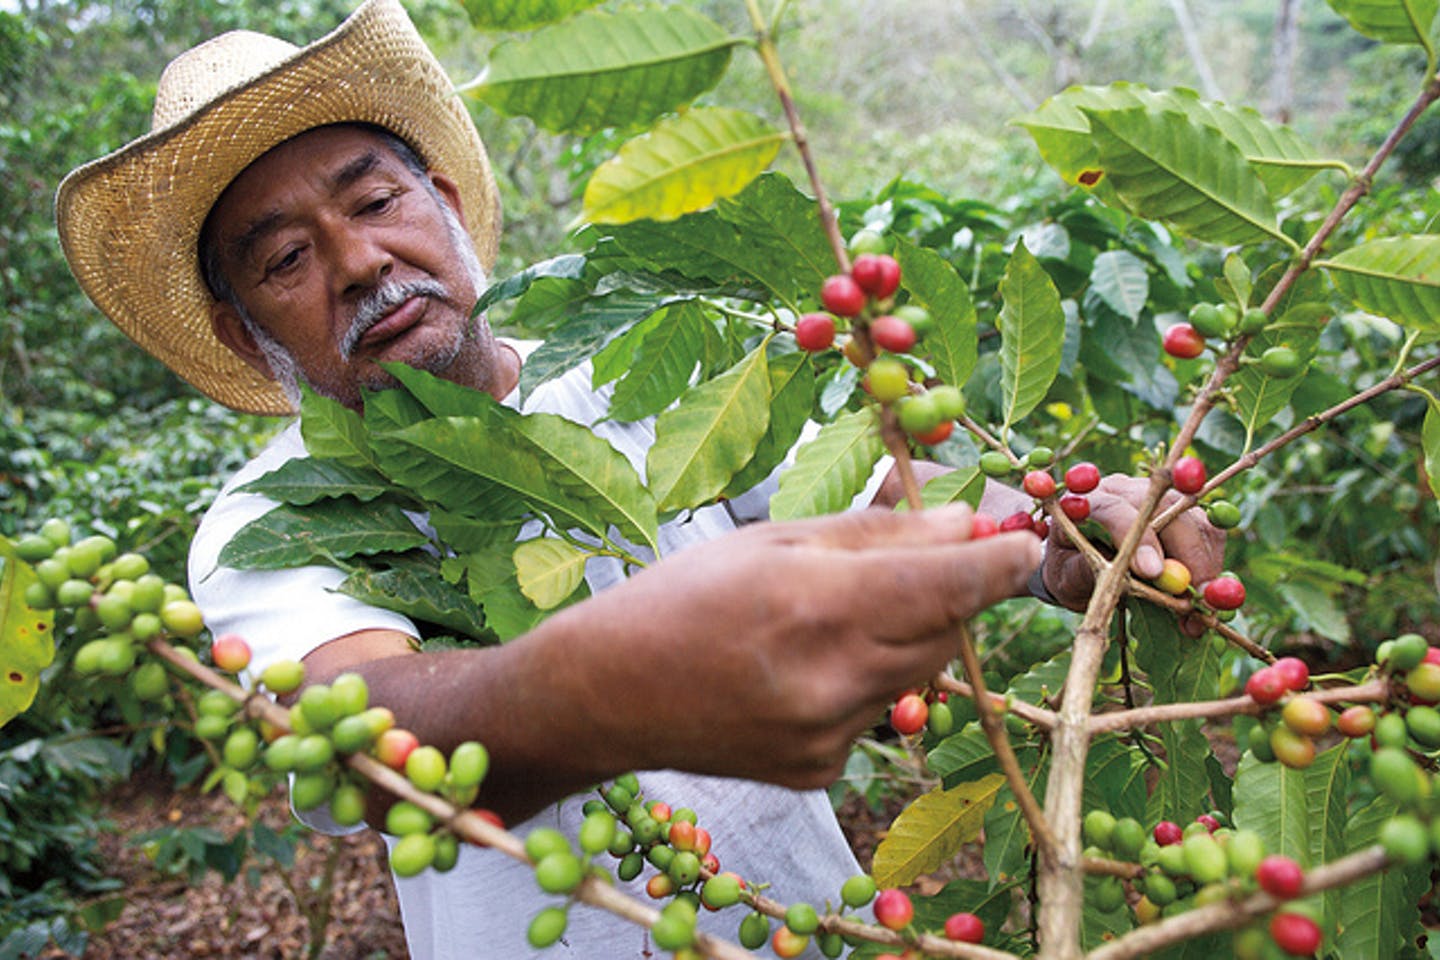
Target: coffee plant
x,y
1181,317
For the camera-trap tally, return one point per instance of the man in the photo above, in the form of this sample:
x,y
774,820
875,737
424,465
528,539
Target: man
x,y
306,214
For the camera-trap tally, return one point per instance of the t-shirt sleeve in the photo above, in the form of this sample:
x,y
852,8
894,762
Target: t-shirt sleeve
x,y
282,614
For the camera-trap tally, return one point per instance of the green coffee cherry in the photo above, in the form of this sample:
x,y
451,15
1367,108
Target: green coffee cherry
x,y
559,872
547,927
310,790
347,804
469,762
405,818
994,463
1280,362
283,676
412,854
1209,320
596,832
1253,321
1223,514
33,548
425,768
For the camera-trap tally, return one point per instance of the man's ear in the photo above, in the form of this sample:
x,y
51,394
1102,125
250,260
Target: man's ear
x,y
231,331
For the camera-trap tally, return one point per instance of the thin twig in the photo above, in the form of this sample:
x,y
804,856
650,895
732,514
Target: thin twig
x,y
1028,712
1375,691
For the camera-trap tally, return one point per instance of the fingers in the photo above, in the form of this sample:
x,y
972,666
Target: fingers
x,y
943,583
1117,513
872,529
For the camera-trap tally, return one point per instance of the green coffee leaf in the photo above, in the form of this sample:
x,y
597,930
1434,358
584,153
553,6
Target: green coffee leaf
x,y
1430,441
520,14
1327,783
709,435
601,70
831,470
1389,21
490,580
549,570
933,283
1237,277
966,485
571,266
411,584
932,829
1032,334
792,394
1395,277
333,431
767,235
1007,835
662,365
1380,913
1188,175
1115,778
1121,280
322,532
1273,800
683,164
304,480
27,640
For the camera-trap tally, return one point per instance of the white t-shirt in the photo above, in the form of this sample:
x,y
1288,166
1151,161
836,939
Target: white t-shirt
x,y
483,906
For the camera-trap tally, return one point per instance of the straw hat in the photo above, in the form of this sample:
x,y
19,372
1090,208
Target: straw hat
x,y
130,222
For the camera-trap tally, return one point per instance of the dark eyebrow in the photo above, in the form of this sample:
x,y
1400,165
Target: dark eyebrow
x,y
242,246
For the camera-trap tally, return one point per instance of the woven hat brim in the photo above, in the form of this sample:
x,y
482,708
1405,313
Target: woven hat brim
x,y
130,222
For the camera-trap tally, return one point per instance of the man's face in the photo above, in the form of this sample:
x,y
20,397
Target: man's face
x,y
345,257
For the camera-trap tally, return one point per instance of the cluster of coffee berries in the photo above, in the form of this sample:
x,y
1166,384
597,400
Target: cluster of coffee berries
x,y
111,593
865,298
1186,341
929,710
1039,482
1290,737
1204,862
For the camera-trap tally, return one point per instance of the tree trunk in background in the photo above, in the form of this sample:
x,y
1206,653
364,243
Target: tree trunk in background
x,y
1282,60
1196,50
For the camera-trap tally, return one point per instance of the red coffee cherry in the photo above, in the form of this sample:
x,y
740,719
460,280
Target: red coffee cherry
x,y
1168,833
1183,341
964,927
1356,721
982,526
815,332
893,909
842,296
878,274
893,334
1082,477
1294,671
909,714
1210,822
1280,876
1224,593
1265,685
1295,933
1075,507
1017,521
940,434
1039,484
1188,475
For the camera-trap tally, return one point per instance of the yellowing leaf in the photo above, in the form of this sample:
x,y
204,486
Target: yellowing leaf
x,y
27,642
684,164
549,570
932,829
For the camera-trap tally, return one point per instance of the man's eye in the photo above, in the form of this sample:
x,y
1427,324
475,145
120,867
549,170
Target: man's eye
x,y
289,260
379,204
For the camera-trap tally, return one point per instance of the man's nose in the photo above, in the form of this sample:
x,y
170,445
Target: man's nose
x,y
362,264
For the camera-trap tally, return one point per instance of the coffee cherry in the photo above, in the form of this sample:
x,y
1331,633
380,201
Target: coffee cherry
x,y
150,682
889,379
909,714
1294,750
1356,721
1183,342
1405,839
394,746
1146,911
559,872
994,463
1098,828
1109,894
1295,933
1168,832
347,804
893,909
720,891
815,332
1075,507
1209,320
413,854
310,790
1405,652
1039,458
1306,716
917,316
891,333
1017,521
1039,484
1265,686
842,296
754,931
1280,362
547,927
867,241
230,652
964,927
283,676
182,618
917,414
1174,577
1223,514
1293,671
1280,877
1128,838
1423,722
1082,477
1253,321
802,919
241,748
425,768
1423,682
675,930
1224,593
1188,475
787,943
950,402
982,526
878,274
1205,858
32,548
939,435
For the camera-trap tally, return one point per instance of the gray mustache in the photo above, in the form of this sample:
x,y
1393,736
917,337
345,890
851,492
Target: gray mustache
x,y
378,303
